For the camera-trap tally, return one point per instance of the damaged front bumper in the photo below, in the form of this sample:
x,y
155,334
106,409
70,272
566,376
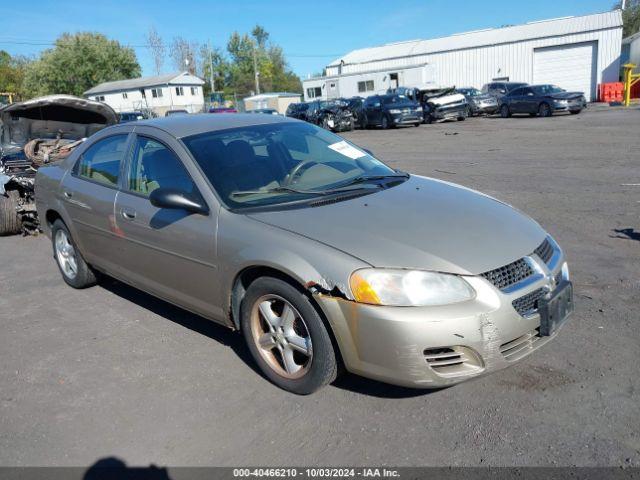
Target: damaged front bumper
x,y
432,347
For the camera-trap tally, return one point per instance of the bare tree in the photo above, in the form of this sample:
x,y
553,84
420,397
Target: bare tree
x,y
158,50
184,56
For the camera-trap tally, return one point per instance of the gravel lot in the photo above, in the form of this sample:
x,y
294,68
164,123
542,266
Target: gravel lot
x,y
111,371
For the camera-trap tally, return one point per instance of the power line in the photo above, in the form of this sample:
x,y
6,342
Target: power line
x,y
52,44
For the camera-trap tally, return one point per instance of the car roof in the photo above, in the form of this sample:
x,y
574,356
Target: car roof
x,y
185,125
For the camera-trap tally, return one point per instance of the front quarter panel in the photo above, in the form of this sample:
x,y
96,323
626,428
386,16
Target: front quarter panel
x,y
245,242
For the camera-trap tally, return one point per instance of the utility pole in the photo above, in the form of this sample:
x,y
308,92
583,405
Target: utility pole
x,y
623,4
211,80
256,73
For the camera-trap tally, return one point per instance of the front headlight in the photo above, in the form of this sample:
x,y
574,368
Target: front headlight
x,y
418,109
561,102
404,288
395,111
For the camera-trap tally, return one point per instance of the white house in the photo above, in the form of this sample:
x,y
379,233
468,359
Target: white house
x,y
576,53
173,91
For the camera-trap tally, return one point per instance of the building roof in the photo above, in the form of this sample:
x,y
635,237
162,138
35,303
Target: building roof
x,y
178,78
264,96
480,38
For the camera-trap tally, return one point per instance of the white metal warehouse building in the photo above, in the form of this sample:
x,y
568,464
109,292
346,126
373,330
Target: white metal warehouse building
x,y
576,53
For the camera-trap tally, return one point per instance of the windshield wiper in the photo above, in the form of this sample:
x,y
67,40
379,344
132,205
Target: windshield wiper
x,y
242,193
368,178
340,188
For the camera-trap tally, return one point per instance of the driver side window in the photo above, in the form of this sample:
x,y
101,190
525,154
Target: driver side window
x,y
154,166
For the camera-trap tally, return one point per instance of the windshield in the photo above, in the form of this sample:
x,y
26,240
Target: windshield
x,y
264,165
547,89
471,92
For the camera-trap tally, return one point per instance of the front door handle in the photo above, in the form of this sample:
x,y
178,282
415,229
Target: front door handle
x,y
68,194
128,214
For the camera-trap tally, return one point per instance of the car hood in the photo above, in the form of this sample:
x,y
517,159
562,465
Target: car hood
x,y
565,95
422,223
483,97
447,99
54,115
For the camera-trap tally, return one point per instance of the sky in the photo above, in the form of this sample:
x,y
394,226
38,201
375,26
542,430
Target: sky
x,y
311,33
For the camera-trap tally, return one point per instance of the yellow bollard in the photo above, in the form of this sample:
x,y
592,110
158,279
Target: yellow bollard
x,y
630,79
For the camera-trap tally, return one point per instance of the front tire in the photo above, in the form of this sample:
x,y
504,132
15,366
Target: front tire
x,y
75,271
544,110
504,111
286,336
10,223
385,122
575,112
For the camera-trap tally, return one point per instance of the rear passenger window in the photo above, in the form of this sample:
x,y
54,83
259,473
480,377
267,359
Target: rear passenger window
x,y
101,161
155,166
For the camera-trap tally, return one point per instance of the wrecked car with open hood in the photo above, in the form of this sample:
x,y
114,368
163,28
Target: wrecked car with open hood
x,y
34,133
318,252
334,115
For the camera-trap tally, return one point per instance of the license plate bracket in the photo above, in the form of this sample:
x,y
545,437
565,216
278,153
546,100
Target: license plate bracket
x,y
555,310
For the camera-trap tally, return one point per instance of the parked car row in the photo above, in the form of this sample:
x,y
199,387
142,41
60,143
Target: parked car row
x,y
404,106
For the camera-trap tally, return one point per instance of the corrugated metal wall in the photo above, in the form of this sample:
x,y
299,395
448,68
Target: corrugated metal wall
x,y
477,66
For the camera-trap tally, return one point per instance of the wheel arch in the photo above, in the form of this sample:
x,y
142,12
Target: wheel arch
x,y
249,274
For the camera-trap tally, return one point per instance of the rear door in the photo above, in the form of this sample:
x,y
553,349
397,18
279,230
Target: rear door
x,y
168,252
89,192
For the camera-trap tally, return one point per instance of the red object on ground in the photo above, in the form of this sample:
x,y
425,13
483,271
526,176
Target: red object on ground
x,y
611,92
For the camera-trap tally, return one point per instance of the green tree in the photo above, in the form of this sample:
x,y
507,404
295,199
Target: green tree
x,y
275,74
630,17
78,62
12,70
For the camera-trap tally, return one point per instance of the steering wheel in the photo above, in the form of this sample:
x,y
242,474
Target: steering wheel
x,y
297,171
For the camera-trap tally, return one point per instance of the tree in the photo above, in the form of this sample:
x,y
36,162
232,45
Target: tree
x,y
157,48
275,74
630,17
78,62
184,56
12,70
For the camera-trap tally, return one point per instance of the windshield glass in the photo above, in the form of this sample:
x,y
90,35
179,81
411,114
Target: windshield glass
x,y
547,89
471,92
269,164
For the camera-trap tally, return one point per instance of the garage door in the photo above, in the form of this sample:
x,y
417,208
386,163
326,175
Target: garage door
x,y
572,67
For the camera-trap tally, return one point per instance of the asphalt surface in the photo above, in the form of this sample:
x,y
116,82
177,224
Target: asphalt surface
x,y
113,372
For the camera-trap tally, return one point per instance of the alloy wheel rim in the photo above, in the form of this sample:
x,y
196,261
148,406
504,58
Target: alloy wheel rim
x,y
281,336
66,255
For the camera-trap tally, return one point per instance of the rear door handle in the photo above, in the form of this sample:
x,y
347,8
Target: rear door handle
x,y
68,194
128,214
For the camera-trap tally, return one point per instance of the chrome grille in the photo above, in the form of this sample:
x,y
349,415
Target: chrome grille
x,y
528,303
544,251
506,276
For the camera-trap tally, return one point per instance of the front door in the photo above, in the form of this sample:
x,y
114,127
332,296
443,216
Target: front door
x,y
168,252
89,192
373,110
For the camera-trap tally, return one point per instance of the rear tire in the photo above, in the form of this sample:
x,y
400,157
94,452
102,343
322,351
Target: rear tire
x,y
75,271
271,341
10,222
504,111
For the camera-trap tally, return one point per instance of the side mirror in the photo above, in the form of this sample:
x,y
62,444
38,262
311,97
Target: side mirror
x,y
178,200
